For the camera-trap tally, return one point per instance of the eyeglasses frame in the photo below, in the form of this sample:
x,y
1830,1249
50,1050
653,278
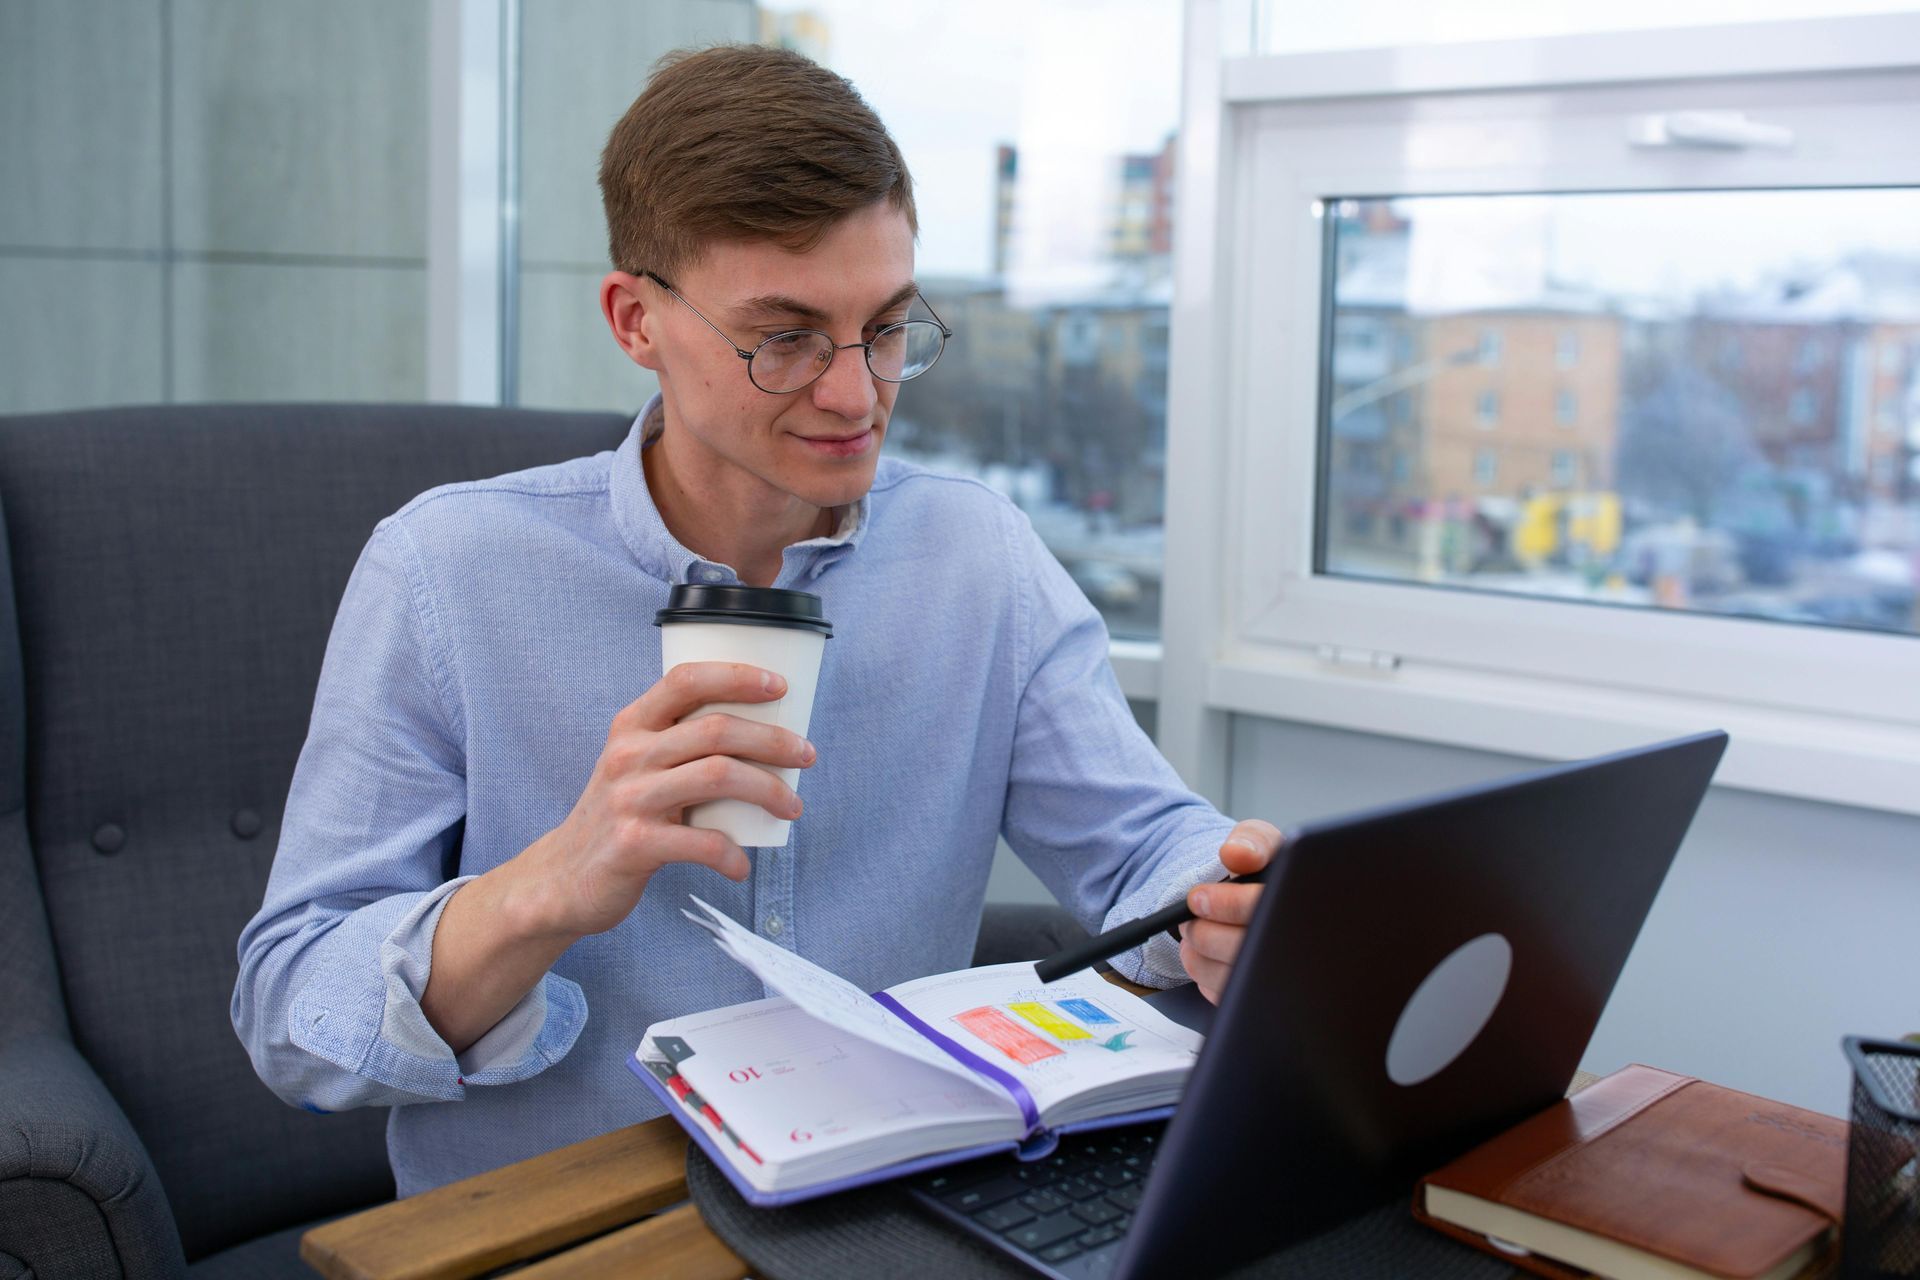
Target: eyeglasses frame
x,y
838,347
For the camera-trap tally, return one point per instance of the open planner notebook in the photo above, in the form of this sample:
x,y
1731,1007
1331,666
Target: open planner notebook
x,y
824,1086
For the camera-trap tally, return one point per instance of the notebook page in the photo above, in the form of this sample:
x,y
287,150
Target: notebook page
x,y
1059,1039
796,1089
826,995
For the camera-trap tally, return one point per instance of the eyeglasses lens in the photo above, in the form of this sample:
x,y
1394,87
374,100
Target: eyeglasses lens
x,y
790,361
906,350
898,352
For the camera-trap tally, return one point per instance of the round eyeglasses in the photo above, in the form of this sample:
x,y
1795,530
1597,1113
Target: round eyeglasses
x,y
790,361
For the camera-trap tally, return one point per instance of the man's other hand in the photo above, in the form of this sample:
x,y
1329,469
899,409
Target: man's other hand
x,y
1210,942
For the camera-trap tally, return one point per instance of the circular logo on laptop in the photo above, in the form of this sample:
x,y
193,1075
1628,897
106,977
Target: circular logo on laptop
x,y
1448,1009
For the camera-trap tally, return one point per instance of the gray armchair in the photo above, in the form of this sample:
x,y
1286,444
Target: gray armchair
x,y
168,578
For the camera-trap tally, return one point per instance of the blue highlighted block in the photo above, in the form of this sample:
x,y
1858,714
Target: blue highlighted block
x,y
1087,1011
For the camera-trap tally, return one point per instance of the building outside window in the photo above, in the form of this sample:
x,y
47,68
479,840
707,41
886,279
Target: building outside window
x,y
1755,451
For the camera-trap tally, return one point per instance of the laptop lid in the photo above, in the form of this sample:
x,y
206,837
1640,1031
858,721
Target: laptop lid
x,y
1343,1061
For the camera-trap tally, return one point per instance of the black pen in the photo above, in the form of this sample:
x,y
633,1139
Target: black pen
x,y
1127,936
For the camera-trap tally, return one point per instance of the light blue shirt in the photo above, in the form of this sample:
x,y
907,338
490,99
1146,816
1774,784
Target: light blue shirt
x,y
488,636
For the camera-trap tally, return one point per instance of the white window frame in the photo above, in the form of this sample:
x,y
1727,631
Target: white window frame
x,y
469,84
1823,714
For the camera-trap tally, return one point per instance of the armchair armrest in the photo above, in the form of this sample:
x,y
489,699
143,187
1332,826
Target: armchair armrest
x,y
78,1193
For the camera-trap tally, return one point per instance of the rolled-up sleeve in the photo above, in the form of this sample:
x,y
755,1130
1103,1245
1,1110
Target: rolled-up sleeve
x,y
333,966
1092,806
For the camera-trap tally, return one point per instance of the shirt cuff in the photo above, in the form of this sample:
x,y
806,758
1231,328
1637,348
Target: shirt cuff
x,y
534,1034
406,1057
1156,962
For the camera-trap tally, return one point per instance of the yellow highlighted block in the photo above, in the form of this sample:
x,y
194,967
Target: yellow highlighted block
x,y
1049,1021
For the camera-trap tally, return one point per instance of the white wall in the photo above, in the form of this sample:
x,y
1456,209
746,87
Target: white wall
x,y
1783,925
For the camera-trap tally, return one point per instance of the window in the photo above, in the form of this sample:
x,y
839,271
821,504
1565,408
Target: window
x,y
1699,556
1566,349
1281,26
1566,468
1489,347
1801,408
1725,505
1046,239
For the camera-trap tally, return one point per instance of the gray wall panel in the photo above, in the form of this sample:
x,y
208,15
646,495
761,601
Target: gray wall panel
x,y
272,331
300,128
568,359
582,64
78,331
80,125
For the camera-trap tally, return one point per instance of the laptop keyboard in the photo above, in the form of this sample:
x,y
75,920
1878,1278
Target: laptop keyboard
x,y
1075,1200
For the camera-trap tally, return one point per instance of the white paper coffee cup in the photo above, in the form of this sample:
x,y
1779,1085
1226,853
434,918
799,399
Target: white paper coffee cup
x,y
779,631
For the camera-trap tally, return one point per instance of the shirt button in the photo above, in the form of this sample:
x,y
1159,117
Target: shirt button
x,y
110,838
712,575
774,926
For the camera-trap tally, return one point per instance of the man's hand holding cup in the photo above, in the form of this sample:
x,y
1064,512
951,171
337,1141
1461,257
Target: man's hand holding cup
x,y
660,760
702,763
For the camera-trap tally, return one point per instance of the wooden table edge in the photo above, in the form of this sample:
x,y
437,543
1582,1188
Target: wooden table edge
x,y
505,1215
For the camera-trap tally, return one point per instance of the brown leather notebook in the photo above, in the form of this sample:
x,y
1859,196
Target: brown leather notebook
x,y
1647,1173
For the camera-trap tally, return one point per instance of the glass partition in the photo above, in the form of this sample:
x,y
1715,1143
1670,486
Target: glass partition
x,y
1042,145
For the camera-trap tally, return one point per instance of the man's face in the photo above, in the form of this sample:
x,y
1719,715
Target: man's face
x,y
819,444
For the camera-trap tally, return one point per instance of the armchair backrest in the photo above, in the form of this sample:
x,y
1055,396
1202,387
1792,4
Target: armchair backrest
x,y
175,572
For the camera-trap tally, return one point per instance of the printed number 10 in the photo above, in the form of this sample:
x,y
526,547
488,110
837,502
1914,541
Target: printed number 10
x,y
743,1074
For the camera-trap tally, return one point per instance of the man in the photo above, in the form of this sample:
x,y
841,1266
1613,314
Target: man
x,y
483,840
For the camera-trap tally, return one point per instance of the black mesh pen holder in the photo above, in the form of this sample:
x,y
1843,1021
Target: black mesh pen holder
x,y
1881,1236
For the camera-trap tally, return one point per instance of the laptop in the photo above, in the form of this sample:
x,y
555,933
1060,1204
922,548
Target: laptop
x,y
1416,979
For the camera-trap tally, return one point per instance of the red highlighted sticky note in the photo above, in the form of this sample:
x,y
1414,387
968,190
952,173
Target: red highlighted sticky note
x,y
1006,1035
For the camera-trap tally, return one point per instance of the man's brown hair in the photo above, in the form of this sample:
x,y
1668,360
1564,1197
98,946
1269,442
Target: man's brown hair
x,y
742,142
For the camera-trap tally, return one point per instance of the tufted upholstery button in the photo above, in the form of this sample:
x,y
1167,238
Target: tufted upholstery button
x,y
246,824
110,837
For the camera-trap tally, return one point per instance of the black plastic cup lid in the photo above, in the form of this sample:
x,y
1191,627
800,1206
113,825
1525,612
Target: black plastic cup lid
x,y
752,606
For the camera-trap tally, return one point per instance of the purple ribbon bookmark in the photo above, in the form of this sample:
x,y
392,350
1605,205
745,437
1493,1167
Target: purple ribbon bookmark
x,y
969,1059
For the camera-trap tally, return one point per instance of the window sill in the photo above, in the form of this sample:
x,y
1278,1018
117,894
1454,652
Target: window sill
x,y
1137,664
1835,759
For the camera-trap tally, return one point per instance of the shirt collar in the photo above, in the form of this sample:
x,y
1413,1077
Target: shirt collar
x,y
660,554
